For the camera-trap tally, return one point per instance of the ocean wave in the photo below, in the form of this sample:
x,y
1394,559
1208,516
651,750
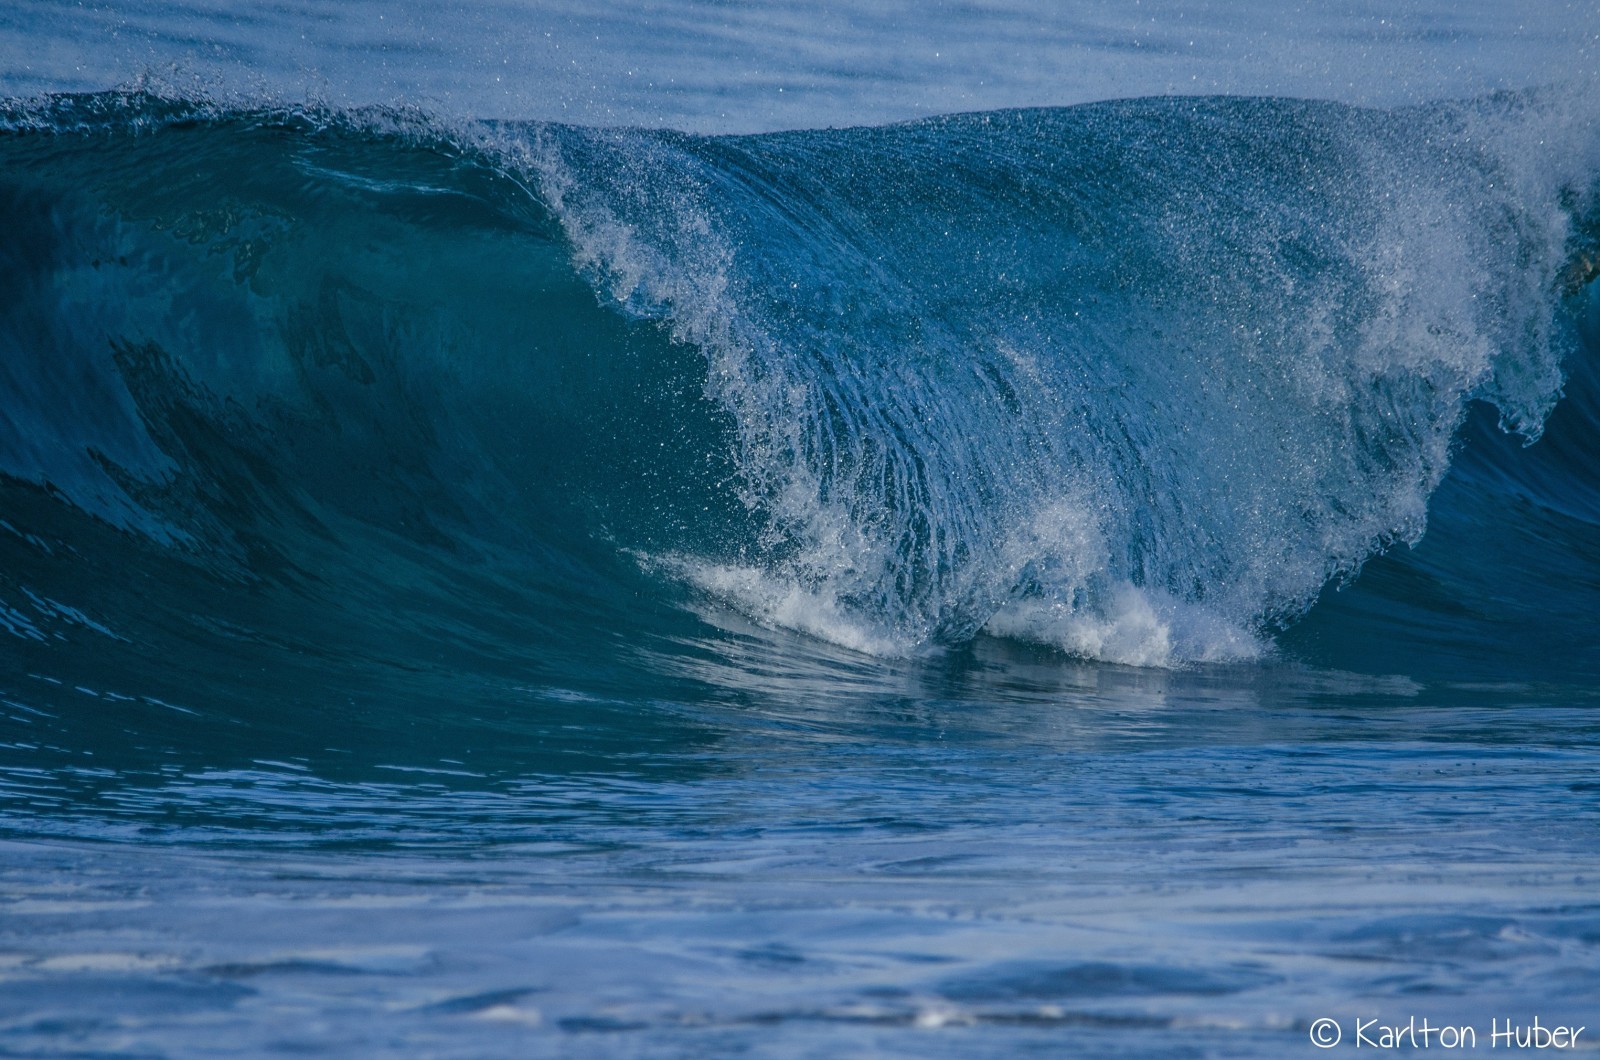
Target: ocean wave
x,y
1137,380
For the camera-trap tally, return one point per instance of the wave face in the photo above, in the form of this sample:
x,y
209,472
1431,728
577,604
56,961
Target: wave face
x,y
1135,380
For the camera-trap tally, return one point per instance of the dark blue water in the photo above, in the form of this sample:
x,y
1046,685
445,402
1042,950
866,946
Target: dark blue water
x,y
1115,579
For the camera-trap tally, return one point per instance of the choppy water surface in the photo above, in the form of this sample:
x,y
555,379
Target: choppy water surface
x,y
493,567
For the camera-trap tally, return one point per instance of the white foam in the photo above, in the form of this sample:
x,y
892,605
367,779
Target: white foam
x,y
780,601
1132,626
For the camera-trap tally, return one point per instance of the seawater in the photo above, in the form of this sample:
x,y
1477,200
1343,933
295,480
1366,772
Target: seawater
x,y
992,533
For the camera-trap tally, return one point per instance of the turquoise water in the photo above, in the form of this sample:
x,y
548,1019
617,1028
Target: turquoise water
x,y
653,569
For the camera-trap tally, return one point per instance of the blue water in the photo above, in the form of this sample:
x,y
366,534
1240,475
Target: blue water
x,y
695,530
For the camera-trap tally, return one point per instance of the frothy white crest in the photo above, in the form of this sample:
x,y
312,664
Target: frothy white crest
x,y
1073,603
781,601
1131,626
